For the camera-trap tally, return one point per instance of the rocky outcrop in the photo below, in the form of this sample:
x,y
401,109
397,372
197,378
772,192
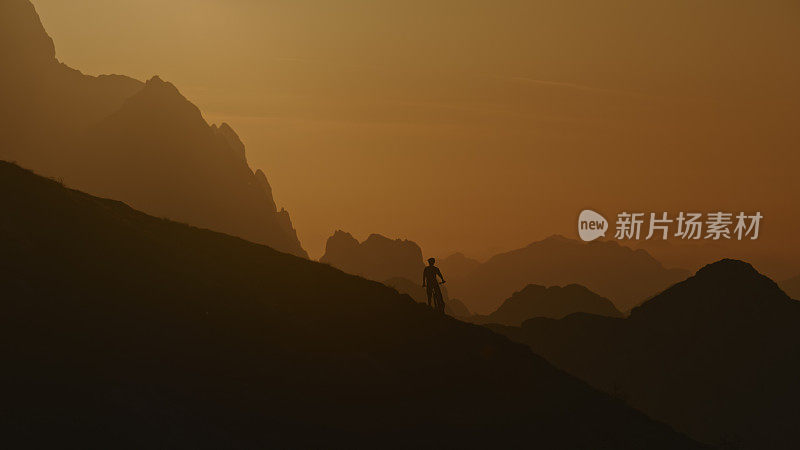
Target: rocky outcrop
x,y
377,258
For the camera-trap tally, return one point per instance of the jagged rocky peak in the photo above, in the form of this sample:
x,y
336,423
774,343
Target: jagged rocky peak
x,y
263,184
160,102
285,224
23,39
142,143
261,179
156,84
397,248
381,239
378,257
234,143
156,88
340,241
156,80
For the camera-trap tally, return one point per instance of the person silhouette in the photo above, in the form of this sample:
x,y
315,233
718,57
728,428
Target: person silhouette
x,y
429,280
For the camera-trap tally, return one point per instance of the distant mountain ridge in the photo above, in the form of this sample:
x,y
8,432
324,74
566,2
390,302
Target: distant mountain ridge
x,y
717,356
554,302
143,143
119,329
627,277
377,258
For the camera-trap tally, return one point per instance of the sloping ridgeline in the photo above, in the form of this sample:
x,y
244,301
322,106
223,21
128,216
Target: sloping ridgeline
x,y
124,330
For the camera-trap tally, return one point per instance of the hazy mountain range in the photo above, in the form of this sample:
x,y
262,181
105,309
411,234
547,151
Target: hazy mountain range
x,y
717,356
142,143
553,302
627,277
121,329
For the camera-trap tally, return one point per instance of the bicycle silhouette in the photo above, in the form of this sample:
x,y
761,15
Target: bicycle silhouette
x,y
438,298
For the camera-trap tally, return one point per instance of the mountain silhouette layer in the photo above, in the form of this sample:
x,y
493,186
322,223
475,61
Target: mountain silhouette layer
x,y
717,356
120,330
553,302
626,277
378,258
142,143
453,306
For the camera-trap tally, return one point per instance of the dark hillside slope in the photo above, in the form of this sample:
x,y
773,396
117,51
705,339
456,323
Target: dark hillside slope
x,y
118,329
717,356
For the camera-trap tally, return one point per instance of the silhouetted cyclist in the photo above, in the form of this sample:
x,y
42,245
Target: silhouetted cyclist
x,y
429,280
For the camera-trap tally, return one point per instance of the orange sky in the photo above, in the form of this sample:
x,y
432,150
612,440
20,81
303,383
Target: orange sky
x,y
479,126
